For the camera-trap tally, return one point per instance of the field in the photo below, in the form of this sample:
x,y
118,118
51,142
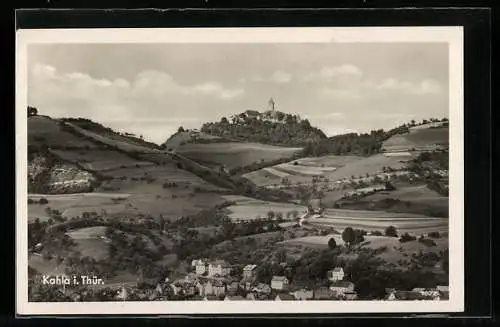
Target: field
x,y
43,130
417,194
249,209
333,168
180,138
417,138
378,221
395,250
99,160
125,206
236,154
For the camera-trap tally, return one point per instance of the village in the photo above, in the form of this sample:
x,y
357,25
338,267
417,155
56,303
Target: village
x,y
215,281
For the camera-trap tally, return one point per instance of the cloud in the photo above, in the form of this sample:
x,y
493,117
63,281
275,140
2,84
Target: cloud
x,y
333,72
281,77
278,77
118,101
426,86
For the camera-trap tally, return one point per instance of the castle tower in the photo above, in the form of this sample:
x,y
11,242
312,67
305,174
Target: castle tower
x,y
271,104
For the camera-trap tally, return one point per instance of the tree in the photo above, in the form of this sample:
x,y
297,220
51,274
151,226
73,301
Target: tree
x,y
32,111
391,231
332,244
43,201
348,236
224,121
389,186
180,130
270,214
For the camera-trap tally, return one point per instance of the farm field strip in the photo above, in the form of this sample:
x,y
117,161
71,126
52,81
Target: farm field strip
x,y
276,172
368,213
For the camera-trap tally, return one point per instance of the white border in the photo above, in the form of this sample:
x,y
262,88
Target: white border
x,y
451,35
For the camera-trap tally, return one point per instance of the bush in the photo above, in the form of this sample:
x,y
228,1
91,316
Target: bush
x,y
331,243
434,234
377,233
30,201
391,231
406,238
427,242
43,201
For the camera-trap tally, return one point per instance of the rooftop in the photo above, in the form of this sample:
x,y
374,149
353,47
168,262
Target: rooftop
x,y
279,278
249,267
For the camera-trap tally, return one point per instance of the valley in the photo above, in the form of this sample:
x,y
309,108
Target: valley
x,y
134,212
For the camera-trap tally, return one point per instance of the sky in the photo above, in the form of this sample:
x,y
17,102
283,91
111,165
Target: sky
x,y
152,89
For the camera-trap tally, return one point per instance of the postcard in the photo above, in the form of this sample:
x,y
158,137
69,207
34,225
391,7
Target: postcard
x,y
239,170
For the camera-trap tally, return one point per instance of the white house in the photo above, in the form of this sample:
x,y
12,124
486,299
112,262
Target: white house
x,y
219,267
249,271
336,274
341,287
279,283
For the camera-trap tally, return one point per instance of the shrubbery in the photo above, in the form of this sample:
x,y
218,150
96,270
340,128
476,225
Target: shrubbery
x,y
406,238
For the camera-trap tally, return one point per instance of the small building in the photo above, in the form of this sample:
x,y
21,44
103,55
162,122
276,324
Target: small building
x,y
252,296
284,297
340,287
279,283
336,274
233,287
404,296
323,293
303,295
218,288
200,267
350,296
249,271
219,268
262,288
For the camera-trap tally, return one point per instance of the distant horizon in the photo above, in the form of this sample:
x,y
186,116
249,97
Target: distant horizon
x,y
152,89
213,121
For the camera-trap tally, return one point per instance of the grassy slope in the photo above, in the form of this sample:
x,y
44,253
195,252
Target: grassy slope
x,y
236,154
418,137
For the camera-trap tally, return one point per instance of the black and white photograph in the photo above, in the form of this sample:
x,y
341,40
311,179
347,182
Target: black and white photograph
x,y
180,170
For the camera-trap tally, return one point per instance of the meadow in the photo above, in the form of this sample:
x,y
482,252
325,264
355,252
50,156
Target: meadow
x,y
236,154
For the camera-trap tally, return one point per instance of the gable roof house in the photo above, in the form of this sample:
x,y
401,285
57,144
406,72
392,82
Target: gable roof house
x,y
249,271
340,287
335,274
323,293
219,268
303,295
279,282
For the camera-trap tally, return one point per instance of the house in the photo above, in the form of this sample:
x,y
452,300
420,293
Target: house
x,y
218,288
284,297
252,114
350,296
246,284
303,295
323,293
262,288
252,296
341,286
279,283
249,271
176,288
200,266
431,293
234,298
233,287
336,274
219,268
404,296
200,288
